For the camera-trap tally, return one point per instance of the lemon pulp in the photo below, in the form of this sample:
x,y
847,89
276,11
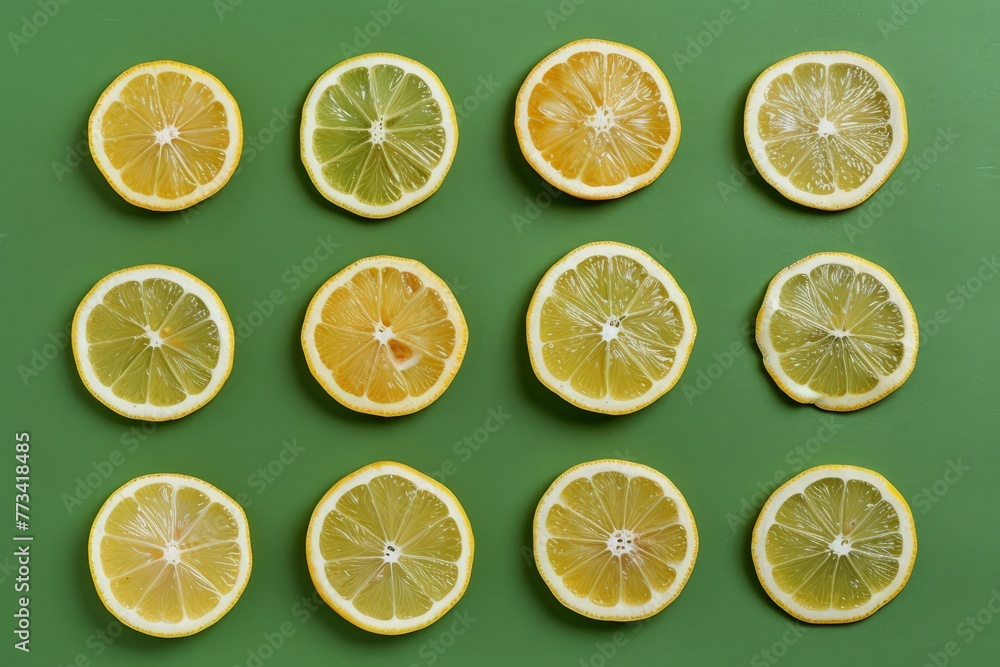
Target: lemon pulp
x,y
391,548
170,553
825,128
598,118
166,134
610,328
837,330
379,134
835,545
615,539
152,342
385,335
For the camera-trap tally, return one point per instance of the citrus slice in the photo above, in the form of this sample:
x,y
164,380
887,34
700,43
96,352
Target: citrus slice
x,y
597,119
834,544
837,331
825,128
153,342
166,135
608,328
384,336
614,540
389,549
169,554
378,134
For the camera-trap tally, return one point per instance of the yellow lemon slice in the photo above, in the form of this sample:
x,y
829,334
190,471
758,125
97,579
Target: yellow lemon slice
x,y
153,342
169,554
378,134
837,331
384,336
166,135
597,119
389,549
834,544
614,540
825,128
609,330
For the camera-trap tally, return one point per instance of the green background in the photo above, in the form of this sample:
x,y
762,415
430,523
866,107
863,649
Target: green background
x,y
721,435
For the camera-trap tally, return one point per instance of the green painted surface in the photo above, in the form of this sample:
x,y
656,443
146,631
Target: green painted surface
x,y
721,435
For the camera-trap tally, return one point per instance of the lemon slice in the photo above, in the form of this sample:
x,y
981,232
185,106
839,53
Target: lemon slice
x,y
597,119
608,328
614,540
389,549
837,331
834,544
384,336
378,134
153,342
169,554
825,128
166,135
